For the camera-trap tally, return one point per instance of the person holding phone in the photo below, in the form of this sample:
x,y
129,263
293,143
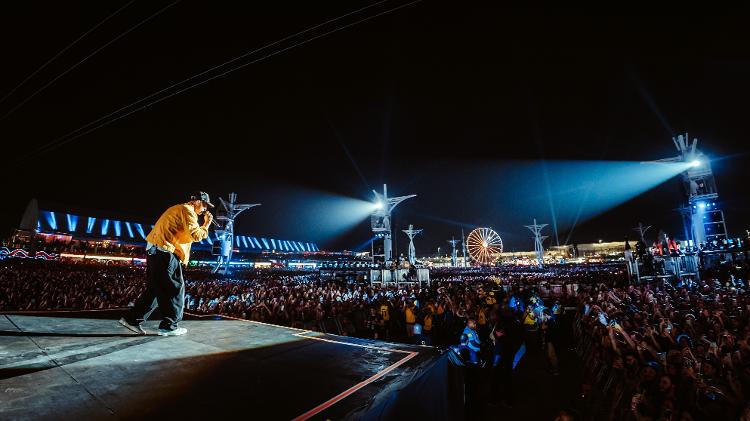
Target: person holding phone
x,y
167,249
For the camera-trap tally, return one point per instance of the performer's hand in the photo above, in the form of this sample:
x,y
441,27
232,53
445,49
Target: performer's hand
x,y
207,218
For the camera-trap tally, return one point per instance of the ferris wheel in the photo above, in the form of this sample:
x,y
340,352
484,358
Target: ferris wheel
x,y
484,244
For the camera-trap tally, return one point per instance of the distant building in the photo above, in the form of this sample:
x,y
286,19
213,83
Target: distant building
x,y
611,249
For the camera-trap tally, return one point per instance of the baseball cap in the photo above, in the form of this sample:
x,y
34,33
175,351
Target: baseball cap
x,y
202,196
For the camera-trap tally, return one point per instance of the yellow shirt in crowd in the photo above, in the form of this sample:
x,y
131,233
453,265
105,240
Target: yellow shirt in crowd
x,y
410,317
431,307
176,230
428,323
529,319
481,317
384,312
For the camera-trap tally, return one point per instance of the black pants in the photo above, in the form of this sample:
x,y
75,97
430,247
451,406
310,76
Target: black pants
x,y
165,288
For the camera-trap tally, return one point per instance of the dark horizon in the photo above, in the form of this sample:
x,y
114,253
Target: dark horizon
x,y
457,105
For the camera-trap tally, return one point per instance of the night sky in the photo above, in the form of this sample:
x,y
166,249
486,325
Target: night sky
x,y
438,98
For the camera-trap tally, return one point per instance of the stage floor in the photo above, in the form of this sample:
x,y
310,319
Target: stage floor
x,y
89,367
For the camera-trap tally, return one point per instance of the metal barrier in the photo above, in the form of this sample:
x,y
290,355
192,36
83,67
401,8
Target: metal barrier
x,y
604,387
333,325
399,277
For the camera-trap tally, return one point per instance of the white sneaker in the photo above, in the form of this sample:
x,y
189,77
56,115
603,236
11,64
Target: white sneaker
x,y
174,332
134,328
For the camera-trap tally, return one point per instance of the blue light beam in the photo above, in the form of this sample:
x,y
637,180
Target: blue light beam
x,y
72,222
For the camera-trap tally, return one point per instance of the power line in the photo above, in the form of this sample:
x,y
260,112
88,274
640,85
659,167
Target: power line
x,y
61,52
42,148
60,141
69,69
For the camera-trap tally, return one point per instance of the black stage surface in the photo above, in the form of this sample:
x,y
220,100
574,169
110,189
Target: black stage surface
x,y
86,366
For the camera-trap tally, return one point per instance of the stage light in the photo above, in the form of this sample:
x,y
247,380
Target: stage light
x,y
378,205
320,216
701,205
139,228
90,225
571,192
51,220
695,163
72,222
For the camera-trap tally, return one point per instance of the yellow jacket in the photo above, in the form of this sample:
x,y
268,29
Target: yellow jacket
x,y
529,319
410,316
384,312
428,323
481,317
176,230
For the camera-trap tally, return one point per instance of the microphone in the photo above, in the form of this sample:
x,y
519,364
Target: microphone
x,y
213,221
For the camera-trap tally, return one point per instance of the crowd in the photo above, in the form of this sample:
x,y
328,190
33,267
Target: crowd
x,y
468,312
28,284
561,274
658,351
293,298
666,352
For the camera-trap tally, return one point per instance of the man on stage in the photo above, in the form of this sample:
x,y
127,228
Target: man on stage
x,y
167,249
